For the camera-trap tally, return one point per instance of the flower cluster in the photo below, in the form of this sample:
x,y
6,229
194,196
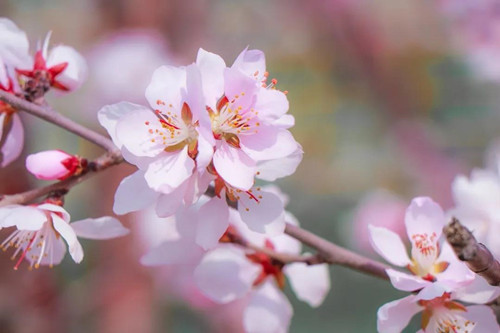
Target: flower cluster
x,y
435,274
61,68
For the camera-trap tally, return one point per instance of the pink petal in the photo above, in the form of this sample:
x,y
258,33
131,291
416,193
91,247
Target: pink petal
x,y
213,220
169,171
484,318
433,290
310,283
133,194
110,115
65,230
15,44
406,282
251,62
271,104
478,292
268,311
56,209
234,166
137,132
75,73
166,87
271,170
14,143
24,218
393,317
260,210
212,72
48,165
105,227
388,245
424,216
168,204
225,274
268,143
457,273
240,88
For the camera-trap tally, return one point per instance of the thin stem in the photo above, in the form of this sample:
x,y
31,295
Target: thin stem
x,y
58,119
334,254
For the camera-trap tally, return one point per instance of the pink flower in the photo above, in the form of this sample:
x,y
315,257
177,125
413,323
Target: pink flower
x,y
248,117
432,258
228,273
54,164
42,228
443,313
63,67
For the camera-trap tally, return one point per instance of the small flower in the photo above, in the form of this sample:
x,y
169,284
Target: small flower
x,y
432,258
42,228
54,164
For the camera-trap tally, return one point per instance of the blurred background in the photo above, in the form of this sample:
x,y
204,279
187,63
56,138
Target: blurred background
x,y
392,99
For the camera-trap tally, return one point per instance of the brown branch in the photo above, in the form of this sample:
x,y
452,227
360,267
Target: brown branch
x,y
46,113
337,255
101,163
475,255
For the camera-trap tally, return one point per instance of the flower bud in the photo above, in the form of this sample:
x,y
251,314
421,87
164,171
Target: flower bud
x,y
54,164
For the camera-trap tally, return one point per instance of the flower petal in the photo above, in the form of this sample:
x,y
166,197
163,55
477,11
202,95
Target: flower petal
x,y
169,171
105,227
213,220
69,235
212,72
110,115
268,311
166,88
262,211
389,245
424,216
14,142
133,194
270,170
75,74
406,282
478,292
251,62
225,274
484,318
234,166
310,283
268,143
23,218
393,317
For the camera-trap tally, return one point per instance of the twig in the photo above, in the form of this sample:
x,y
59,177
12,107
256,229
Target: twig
x,y
334,254
475,255
101,163
58,119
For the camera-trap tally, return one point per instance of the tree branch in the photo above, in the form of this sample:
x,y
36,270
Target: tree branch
x,y
475,255
334,254
58,119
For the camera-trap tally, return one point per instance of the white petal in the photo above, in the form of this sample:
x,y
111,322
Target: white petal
x,y
14,143
389,245
271,170
75,73
406,282
105,227
260,210
133,194
311,283
251,62
212,72
168,204
109,116
179,251
169,171
393,317
213,220
484,318
56,209
424,216
24,218
478,292
268,311
269,143
234,166
225,274
13,44
166,88
65,230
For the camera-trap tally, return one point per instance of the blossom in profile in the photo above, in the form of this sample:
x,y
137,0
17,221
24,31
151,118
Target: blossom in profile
x,y
54,164
41,231
432,258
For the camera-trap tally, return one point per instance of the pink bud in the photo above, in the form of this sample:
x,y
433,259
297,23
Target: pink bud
x,y
53,164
